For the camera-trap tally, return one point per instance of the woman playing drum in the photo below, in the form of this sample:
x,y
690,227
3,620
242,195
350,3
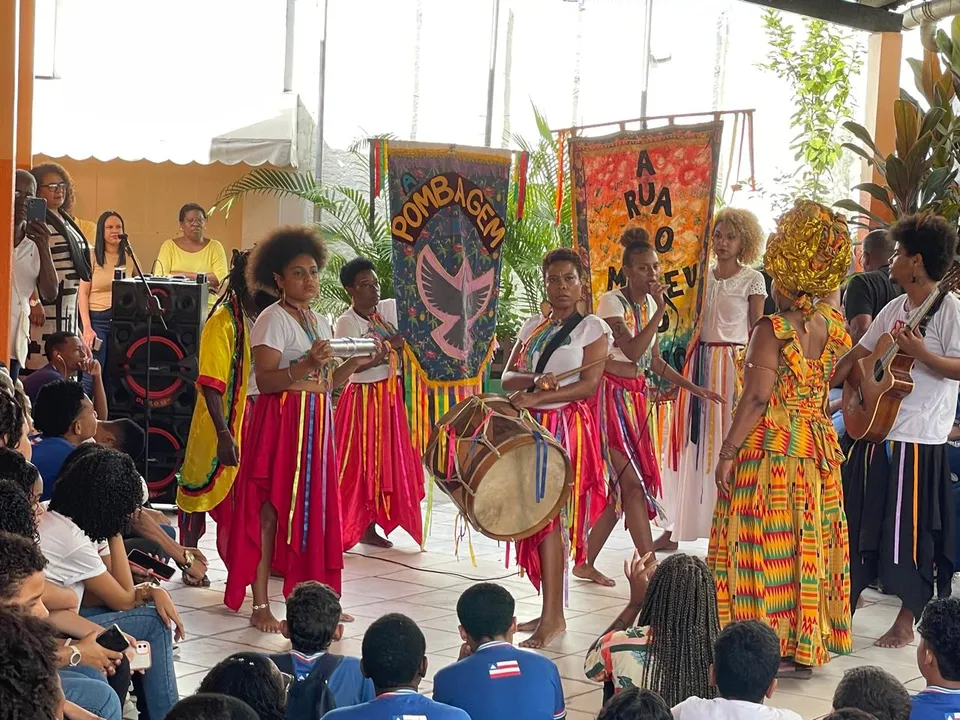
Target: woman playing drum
x,y
561,339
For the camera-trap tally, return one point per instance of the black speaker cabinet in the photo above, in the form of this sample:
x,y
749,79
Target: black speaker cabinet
x,y
182,301
168,441
173,367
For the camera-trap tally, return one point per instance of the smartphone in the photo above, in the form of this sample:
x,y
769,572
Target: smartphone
x,y
149,566
36,209
142,656
113,639
97,344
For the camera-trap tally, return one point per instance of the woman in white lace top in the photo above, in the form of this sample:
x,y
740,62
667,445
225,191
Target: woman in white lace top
x,y
735,294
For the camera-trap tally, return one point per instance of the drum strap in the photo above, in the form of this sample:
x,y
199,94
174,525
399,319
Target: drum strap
x,y
556,341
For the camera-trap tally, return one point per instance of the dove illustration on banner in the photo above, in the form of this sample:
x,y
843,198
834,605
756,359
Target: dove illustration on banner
x,y
456,300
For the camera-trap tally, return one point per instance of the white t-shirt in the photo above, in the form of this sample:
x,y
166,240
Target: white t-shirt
x,y
726,308
926,414
26,271
72,556
722,709
614,304
275,328
353,325
570,354
252,389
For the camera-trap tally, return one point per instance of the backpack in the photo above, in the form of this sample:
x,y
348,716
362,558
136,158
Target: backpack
x,y
312,698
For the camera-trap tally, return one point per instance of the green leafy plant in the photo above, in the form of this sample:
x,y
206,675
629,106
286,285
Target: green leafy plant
x,y
819,70
921,173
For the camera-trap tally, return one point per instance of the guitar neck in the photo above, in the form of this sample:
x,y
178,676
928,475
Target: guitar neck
x,y
913,322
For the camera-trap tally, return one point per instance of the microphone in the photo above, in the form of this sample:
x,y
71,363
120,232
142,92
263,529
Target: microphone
x,y
124,240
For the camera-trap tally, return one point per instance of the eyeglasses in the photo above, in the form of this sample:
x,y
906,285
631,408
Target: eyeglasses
x,y
54,187
197,221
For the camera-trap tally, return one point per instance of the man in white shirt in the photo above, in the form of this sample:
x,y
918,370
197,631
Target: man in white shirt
x,y
744,671
32,269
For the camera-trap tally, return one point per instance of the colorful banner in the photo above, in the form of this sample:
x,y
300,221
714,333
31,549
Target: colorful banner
x,y
662,180
448,211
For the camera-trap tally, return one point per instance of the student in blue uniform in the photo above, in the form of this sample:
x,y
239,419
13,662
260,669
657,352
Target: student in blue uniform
x,y
493,679
394,656
312,624
938,657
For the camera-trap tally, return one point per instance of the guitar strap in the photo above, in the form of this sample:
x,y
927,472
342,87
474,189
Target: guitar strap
x,y
922,327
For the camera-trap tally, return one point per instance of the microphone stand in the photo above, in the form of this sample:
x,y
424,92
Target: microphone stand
x,y
153,310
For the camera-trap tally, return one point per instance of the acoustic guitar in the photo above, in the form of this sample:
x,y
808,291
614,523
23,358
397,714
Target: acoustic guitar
x,y
878,383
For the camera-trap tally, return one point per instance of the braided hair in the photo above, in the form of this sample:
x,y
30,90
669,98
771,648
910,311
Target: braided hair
x,y
11,421
681,610
234,289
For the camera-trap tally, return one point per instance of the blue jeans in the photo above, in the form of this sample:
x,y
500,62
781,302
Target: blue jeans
x,y
88,688
160,681
15,369
100,322
836,394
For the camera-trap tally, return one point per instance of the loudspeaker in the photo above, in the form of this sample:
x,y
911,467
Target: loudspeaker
x,y
173,367
182,301
168,442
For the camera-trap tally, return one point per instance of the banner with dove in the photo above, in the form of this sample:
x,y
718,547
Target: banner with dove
x,y
448,208
662,180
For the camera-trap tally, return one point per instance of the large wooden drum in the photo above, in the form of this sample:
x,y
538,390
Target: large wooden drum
x,y
508,476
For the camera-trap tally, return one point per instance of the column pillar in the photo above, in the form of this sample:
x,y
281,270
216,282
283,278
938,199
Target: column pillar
x,y
884,51
28,21
9,29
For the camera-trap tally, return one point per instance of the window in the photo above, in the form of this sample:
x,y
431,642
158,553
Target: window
x,y
45,39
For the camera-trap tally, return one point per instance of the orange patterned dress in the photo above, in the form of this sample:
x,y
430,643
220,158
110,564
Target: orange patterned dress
x,y
778,545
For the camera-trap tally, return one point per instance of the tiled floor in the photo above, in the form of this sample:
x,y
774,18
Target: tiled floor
x,y
426,586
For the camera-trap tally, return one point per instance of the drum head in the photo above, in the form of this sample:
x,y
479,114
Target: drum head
x,y
505,505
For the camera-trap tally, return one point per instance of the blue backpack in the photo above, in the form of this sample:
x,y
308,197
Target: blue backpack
x,y
310,698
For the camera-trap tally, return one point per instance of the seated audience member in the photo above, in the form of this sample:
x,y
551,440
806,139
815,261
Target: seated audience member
x,y
938,657
636,704
252,678
493,679
29,685
674,623
21,588
395,658
81,537
312,623
873,690
211,706
65,418
66,358
744,671
13,426
16,468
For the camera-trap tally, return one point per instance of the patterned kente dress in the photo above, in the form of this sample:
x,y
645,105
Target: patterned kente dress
x,y
778,545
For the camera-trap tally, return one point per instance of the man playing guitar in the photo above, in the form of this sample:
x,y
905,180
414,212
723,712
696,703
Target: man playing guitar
x,y
897,492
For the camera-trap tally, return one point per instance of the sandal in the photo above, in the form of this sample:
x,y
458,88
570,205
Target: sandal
x,y
190,581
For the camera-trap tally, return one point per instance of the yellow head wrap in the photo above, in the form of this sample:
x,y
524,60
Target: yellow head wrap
x,y
810,253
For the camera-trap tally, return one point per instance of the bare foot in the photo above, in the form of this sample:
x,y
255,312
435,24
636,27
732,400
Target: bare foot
x,y
264,621
344,617
370,537
545,634
664,543
901,632
791,670
528,626
589,572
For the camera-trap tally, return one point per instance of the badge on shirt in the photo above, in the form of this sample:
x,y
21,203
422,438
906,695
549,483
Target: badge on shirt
x,y
504,669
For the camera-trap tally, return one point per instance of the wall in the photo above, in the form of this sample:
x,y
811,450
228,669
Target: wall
x,y
149,197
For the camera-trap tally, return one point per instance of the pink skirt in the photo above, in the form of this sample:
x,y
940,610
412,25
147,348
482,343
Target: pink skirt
x,y
620,407
381,477
574,428
291,464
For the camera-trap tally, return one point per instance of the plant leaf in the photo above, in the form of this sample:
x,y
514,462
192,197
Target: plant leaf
x,y
861,133
855,207
876,191
906,119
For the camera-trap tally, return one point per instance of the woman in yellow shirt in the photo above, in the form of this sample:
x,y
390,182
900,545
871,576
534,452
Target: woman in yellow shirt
x,y
192,253
95,299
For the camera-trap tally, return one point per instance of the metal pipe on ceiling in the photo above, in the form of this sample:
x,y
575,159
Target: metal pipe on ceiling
x,y
930,11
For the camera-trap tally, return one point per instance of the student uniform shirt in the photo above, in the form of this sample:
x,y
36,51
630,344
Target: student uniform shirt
x,y
500,681
72,557
400,705
936,703
346,682
695,708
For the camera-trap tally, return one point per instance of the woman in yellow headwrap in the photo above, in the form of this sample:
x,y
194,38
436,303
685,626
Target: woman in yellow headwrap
x,y
778,545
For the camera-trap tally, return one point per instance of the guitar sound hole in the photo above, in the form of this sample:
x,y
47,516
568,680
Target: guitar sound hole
x,y
878,371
